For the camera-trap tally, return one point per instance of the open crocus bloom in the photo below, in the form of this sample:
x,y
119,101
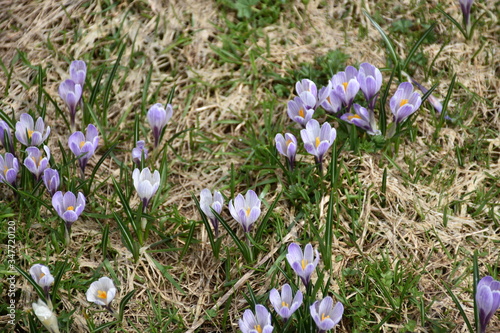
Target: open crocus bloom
x,y
41,274
30,133
317,140
68,206
285,304
404,102
35,163
363,118
84,146
325,314
245,210
260,322
102,291
303,264
298,109
346,85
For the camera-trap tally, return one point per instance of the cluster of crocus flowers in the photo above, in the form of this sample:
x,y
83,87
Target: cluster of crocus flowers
x,y
258,322
487,300
102,292
158,117
245,210
71,89
146,184
209,203
84,145
69,207
30,133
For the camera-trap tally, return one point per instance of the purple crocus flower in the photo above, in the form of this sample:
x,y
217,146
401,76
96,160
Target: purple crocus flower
x,y
325,314
146,184
346,85
9,167
29,133
138,151
298,110
70,93
158,117
283,304
35,163
78,72
436,104
332,103
370,81
317,140
68,206
303,264
260,322
51,180
287,146
306,85
6,136
245,210
466,6
404,102
363,118
487,300
84,146
207,203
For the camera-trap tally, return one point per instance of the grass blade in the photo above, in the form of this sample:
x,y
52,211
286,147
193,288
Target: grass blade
x,y
386,39
417,45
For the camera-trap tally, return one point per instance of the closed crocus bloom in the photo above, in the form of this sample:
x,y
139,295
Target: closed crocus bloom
x,y
298,110
101,292
71,93
306,85
158,117
35,163
287,146
146,184
51,180
325,314
6,136
346,85
9,167
30,133
68,206
404,102
363,118
466,6
84,146
285,304
303,264
207,203
487,300
245,210
260,322
370,81
317,140
46,316
78,71
41,274
138,152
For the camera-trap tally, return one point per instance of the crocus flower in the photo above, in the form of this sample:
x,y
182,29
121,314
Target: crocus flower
x,y
68,206
245,210
146,184
78,71
102,292
303,264
298,110
332,103
466,6
283,304
138,151
207,203
317,140
46,316
325,314
51,180
346,85
35,163
363,118
41,274
436,104
370,81
70,93
260,322
9,167
306,85
158,117
6,136
287,146
29,133
404,102
84,146
487,300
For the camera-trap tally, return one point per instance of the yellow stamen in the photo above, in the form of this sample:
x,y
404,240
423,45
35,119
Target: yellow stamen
x,y
247,212
41,275
288,142
403,102
317,141
82,143
345,85
303,263
284,304
323,317
329,100
301,113
30,133
354,116
5,169
258,328
102,294
71,208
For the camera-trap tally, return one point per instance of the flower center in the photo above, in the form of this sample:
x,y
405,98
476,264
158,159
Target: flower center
x,y
70,208
323,317
81,144
247,211
284,304
329,100
30,133
288,142
403,102
102,294
41,275
5,169
318,141
303,263
258,328
301,113
355,116
345,85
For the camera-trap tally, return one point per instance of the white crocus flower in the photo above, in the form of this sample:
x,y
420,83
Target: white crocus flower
x,y
101,292
46,316
146,184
